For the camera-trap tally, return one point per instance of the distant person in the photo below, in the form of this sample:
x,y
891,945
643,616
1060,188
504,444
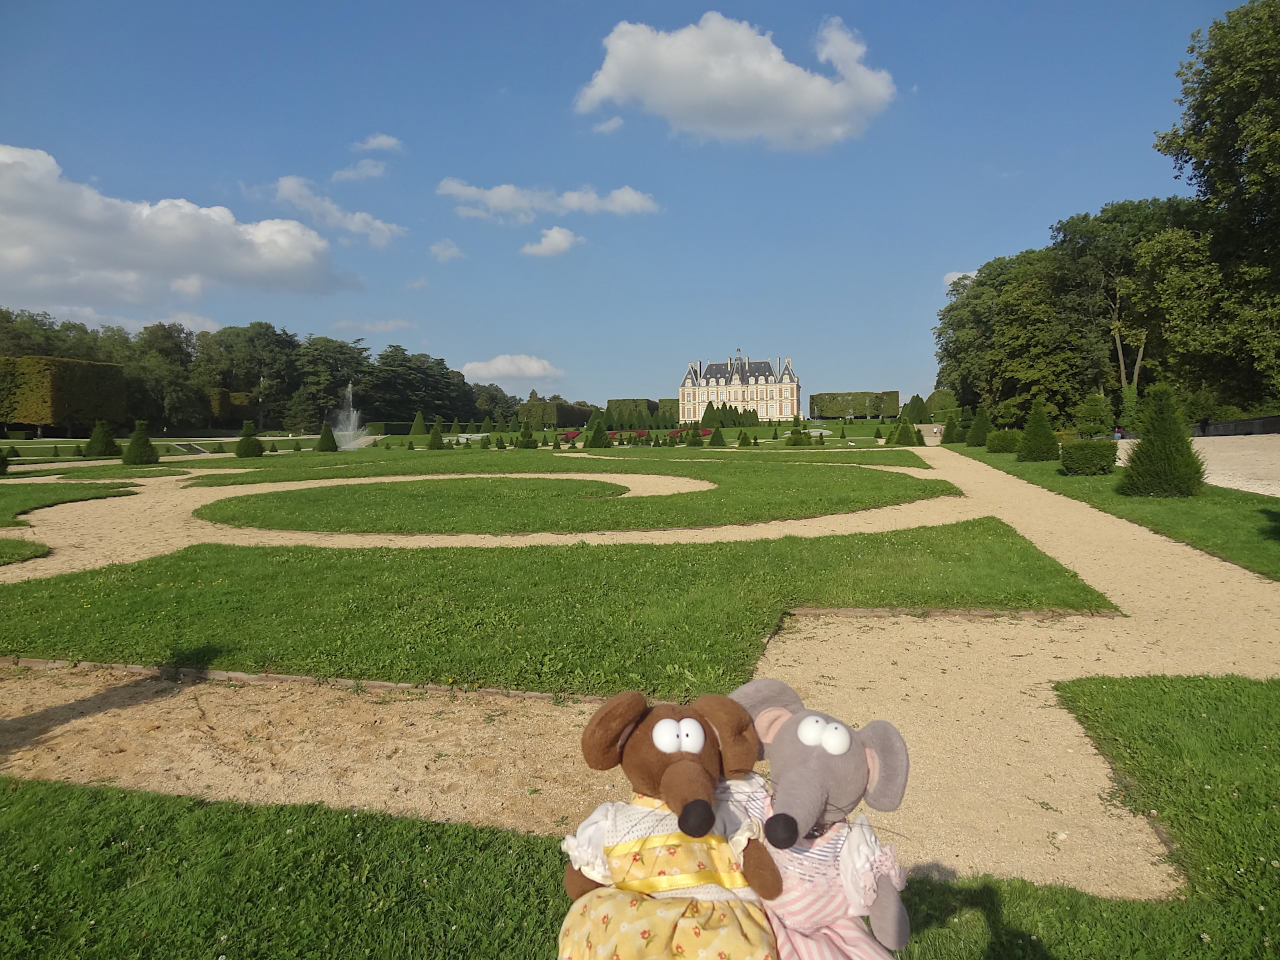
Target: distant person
x,y
1119,434
1204,426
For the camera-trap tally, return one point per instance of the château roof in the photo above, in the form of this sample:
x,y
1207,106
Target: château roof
x,y
738,369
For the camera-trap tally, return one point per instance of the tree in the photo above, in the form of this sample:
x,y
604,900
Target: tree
x,y
1038,442
248,445
1163,463
102,443
915,410
436,440
1093,417
140,450
1227,143
419,427
326,443
716,439
978,430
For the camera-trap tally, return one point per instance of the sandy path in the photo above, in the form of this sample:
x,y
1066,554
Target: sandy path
x,y
1003,779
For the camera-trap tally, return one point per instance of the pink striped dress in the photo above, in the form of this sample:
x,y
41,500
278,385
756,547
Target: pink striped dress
x,y
828,886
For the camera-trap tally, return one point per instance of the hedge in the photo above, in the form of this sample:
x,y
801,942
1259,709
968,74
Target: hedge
x,y
394,428
58,390
829,406
1089,458
552,413
1004,441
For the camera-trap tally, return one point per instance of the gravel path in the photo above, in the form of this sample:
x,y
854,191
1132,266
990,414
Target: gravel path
x,y
1003,779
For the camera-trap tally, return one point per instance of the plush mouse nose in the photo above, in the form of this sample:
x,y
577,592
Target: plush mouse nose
x,y
781,831
696,818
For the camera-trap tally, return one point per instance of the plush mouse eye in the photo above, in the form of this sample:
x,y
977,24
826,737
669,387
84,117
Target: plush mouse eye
x,y
666,735
691,736
836,739
810,731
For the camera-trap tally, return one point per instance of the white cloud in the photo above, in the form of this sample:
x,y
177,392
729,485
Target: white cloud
x,y
949,278
555,241
65,242
378,141
297,191
508,366
366,168
446,250
724,79
417,283
372,326
520,204
608,126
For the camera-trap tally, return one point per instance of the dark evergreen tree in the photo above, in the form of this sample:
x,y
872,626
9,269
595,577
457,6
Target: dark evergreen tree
x,y
273,448
486,427
1163,463
717,438
978,430
950,433
419,427
248,445
326,443
1038,441
694,438
101,442
1093,417
140,450
409,445
500,444
436,440
878,434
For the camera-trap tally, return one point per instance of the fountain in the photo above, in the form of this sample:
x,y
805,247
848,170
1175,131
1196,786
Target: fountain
x,y
347,430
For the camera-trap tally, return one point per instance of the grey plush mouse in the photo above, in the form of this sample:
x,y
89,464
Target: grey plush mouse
x,y
834,872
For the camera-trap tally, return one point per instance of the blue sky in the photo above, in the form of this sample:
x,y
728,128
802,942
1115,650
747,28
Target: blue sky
x,y
678,180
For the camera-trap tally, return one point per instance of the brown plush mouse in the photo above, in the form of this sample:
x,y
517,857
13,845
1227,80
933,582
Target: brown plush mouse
x,y
675,869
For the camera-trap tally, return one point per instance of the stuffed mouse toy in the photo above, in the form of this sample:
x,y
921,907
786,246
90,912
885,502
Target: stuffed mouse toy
x,y
673,871
834,872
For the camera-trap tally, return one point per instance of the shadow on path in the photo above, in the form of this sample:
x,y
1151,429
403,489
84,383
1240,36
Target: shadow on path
x,y
19,732
933,898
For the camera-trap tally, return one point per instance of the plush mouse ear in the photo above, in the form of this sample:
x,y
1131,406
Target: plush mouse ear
x,y
769,721
739,746
887,764
609,727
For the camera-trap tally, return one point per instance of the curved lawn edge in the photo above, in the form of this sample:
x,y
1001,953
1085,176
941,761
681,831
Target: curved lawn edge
x,y
784,492
17,498
557,619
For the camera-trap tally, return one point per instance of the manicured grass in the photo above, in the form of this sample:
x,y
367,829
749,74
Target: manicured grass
x,y
675,621
103,472
496,505
831,453
98,872
1235,525
11,551
18,498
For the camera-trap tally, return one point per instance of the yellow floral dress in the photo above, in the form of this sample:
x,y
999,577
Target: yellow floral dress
x,y
665,894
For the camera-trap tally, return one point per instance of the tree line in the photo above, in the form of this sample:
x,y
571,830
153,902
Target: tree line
x,y
1183,291
178,380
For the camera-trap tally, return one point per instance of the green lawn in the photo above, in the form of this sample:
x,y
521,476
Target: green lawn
x,y
675,620
98,873
743,494
19,498
11,551
1235,525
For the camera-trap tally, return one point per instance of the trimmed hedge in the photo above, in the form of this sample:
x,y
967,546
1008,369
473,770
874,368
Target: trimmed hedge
x,y
1088,458
978,430
1003,441
549,413
1163,463
58,390
327,443
140,450
1038,441
393,428
830,406
248,445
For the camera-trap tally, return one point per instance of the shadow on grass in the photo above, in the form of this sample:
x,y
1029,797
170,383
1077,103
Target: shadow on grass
x,y
933,898
18,732
1271,525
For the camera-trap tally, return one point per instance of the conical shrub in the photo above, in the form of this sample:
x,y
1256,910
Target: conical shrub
x,y
140,450
716,439
419,427
950,433
248,445
326,443
436,440
101,442
1163,463
978,430
1038,442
